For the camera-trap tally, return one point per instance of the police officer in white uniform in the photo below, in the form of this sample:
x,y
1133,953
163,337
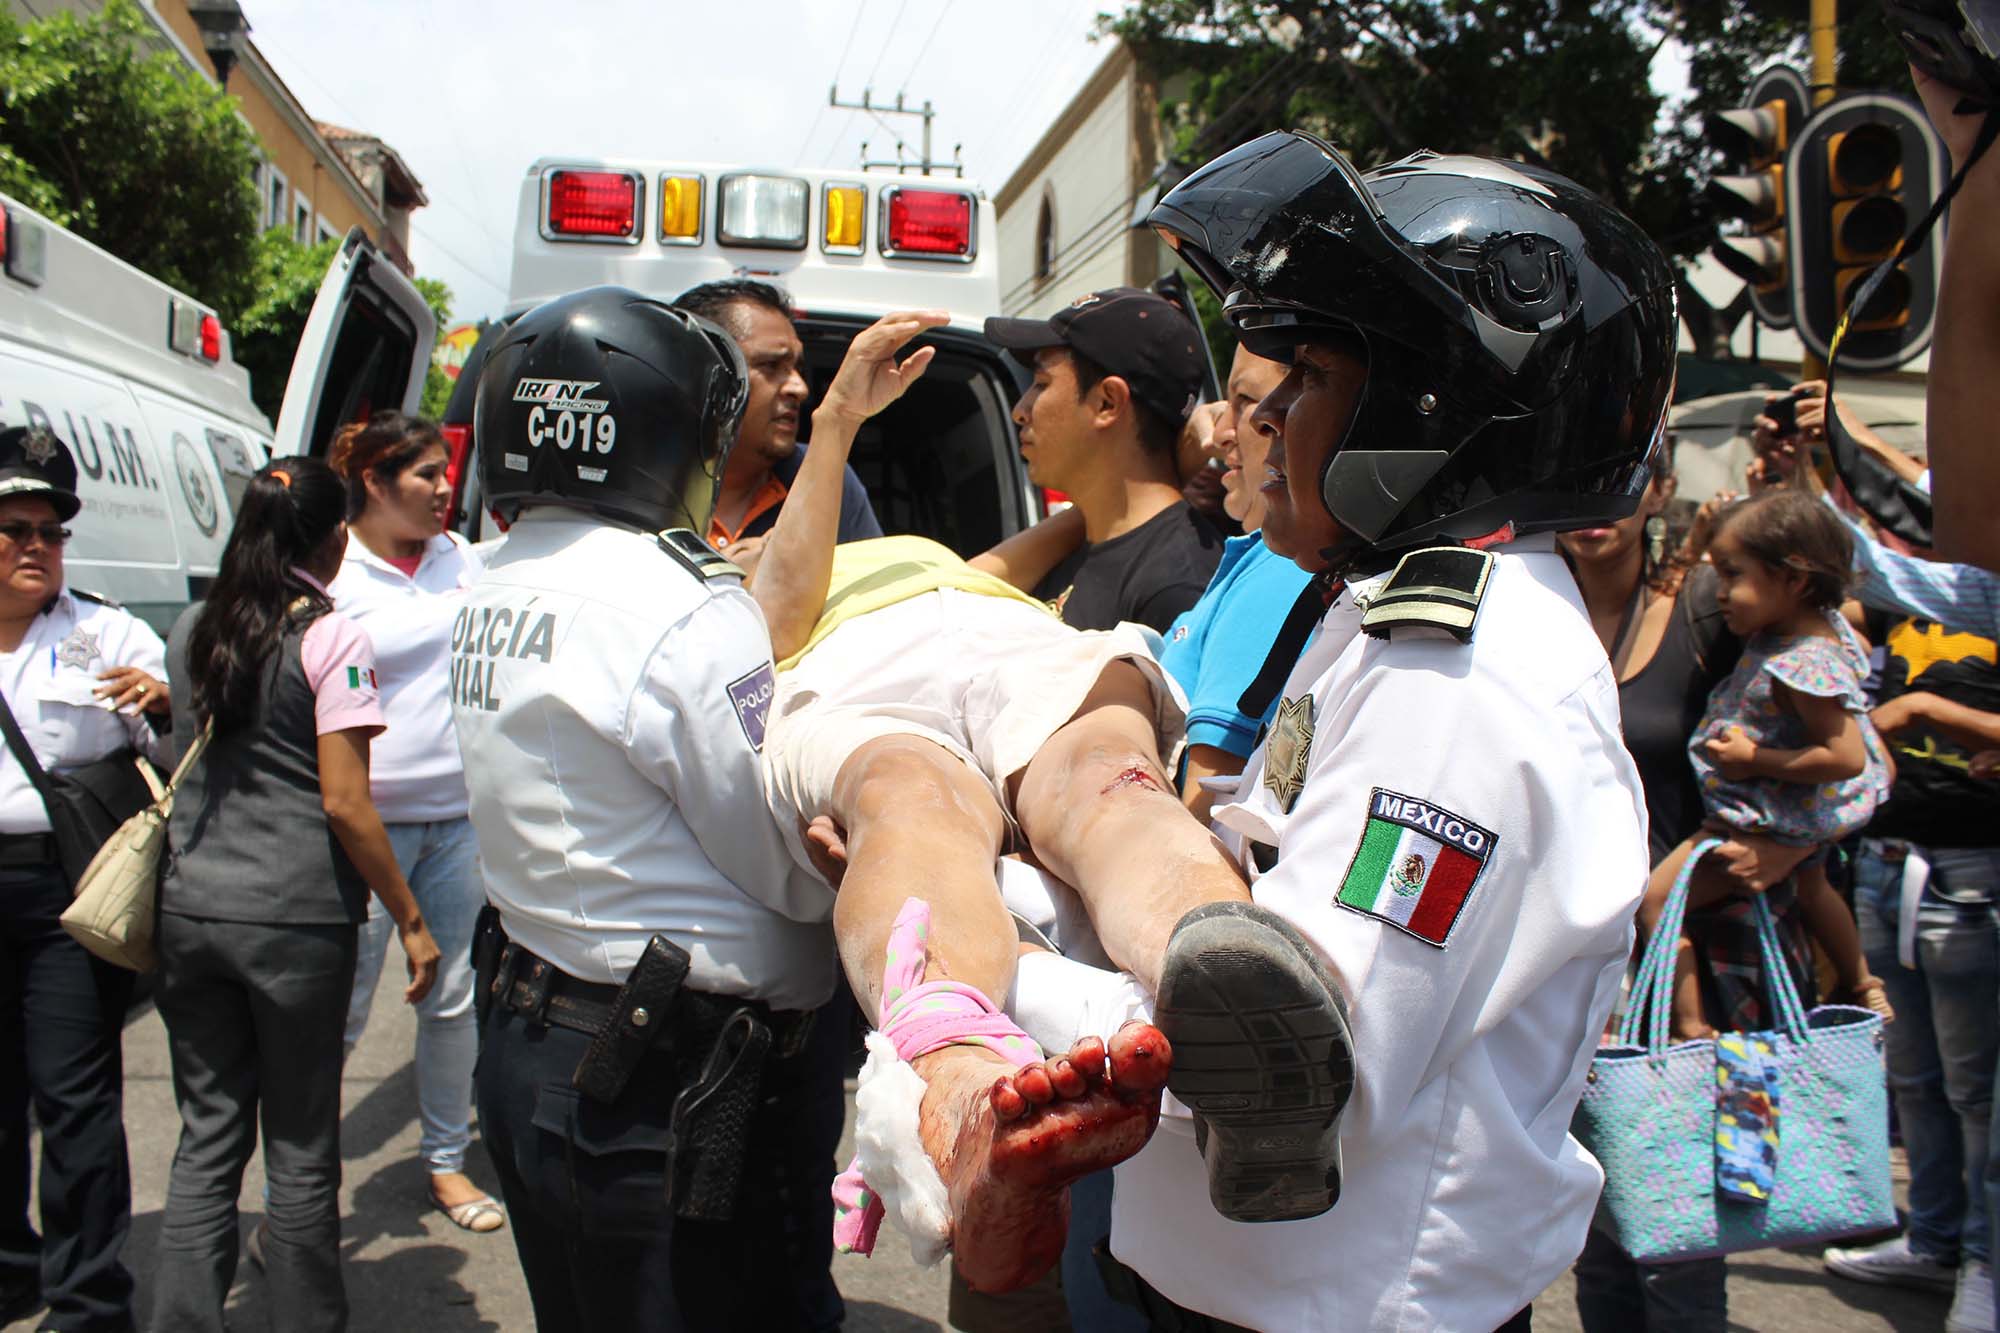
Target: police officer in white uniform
x,y
81,677
1479,351
662,947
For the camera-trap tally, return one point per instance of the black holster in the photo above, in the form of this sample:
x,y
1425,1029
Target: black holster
x,y
709,1129
488,939
640,1013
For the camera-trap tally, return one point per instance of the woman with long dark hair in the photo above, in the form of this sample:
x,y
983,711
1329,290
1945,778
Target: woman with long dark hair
x,y
276,846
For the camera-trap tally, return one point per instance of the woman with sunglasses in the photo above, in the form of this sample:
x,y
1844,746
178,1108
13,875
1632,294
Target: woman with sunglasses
x,y
82,680
276,845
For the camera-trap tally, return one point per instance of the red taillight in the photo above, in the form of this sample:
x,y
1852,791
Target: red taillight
x,y
458,455
211,338
930,222
593,203
1054,501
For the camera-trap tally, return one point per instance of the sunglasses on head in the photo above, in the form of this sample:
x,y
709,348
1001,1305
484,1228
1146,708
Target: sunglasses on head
x,y
18,531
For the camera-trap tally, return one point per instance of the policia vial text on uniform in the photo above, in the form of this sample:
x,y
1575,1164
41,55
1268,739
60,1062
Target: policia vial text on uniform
x,y
481,636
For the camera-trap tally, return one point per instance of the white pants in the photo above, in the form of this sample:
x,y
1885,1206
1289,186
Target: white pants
x,y
987,678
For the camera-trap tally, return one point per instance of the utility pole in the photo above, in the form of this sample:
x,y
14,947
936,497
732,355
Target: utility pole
x,y
927,112
1824,33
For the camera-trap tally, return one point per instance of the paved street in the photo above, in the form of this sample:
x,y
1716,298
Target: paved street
x,y
409,1268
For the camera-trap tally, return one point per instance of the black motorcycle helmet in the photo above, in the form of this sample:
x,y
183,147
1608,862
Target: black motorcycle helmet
x,y
1519,332
609,401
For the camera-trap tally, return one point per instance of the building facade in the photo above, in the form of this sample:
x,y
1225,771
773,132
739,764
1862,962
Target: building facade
x,y
314,180
1071,217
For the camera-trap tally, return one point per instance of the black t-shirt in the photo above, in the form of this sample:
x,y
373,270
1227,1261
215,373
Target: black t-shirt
x,y
1663,704
1149,575
1936,801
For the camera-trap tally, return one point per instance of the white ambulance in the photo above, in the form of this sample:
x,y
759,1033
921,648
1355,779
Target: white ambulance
x,y
847,247
138,380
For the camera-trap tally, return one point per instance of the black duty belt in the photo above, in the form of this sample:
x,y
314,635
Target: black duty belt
x,y
28,849
587,1006
718,1046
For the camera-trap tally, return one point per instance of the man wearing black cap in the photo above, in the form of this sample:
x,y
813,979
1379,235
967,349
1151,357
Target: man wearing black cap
x,y
78,676
1116,375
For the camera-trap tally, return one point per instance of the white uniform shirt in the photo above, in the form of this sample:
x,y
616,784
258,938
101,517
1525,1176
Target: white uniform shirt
x,y
414,773
48,682
610,709
1464,1195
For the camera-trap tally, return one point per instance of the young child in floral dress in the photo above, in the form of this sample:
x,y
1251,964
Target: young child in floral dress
x,y
1785,750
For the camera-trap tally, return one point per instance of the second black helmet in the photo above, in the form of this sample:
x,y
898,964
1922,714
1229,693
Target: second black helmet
x,y
1519,332
610,401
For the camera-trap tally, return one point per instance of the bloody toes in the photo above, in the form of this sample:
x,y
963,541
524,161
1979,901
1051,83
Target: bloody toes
x,y
1008,1148
1140,1058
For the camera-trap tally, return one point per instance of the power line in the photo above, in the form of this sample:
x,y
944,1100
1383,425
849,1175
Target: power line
x,y
839,66
1120,212
1047,69
943,9
891,132
894,24
460,259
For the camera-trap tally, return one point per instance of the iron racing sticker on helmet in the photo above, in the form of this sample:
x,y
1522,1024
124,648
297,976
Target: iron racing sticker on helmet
x,y
565,416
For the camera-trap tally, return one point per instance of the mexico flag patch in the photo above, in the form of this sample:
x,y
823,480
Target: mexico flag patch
x,y
1416,865
361,678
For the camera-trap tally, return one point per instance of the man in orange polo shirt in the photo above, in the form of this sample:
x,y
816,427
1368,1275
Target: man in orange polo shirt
x,y
767,453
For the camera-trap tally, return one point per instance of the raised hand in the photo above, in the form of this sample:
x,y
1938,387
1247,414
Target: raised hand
x,y
870,378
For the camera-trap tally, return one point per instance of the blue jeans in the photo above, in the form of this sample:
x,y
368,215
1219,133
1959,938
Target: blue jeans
x,y
1944,1047
441,862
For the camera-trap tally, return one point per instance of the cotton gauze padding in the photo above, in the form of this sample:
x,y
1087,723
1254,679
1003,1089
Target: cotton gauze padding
x,y
899,1172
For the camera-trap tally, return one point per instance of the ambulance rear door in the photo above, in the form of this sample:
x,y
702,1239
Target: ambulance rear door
x,y
366,347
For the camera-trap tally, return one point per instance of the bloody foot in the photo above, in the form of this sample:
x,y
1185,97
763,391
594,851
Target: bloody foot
x,y
1008,1146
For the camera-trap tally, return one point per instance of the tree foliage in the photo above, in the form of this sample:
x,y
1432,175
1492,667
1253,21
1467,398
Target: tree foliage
x,y
1561,83
286,276
107,133
129,148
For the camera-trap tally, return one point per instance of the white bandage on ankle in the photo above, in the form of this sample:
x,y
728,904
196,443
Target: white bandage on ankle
x,y
887,1098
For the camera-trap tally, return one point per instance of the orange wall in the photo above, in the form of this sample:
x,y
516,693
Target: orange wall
x,y
333,194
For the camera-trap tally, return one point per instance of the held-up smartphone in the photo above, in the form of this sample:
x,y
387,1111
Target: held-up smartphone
x,y
1785,411
1956,42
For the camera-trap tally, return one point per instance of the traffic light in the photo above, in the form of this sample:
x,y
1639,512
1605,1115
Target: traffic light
x,y
1864,169
1761,134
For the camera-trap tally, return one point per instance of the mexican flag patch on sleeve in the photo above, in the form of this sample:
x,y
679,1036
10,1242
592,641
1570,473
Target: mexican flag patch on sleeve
x,y
361,678
1416,865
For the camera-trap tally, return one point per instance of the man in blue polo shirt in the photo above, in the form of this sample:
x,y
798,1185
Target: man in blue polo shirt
x,y
1216,647
767,453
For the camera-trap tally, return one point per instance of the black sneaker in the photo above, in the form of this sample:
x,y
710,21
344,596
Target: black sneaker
x,y
1262,1056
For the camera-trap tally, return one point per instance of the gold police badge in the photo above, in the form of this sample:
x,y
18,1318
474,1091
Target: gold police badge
x,y
1289,748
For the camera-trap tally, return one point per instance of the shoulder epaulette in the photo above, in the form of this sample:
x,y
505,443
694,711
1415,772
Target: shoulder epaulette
x,y
98,597
696,556
1439,587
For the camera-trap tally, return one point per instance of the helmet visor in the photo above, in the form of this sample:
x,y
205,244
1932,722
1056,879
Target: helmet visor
x,y
1294,242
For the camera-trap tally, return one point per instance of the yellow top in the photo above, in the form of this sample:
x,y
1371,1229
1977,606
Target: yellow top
x,y
882,571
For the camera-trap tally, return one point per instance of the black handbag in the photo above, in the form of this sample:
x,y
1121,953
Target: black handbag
x,y
87,804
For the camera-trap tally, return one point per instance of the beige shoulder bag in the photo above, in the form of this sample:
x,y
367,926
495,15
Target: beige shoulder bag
x,y
117,896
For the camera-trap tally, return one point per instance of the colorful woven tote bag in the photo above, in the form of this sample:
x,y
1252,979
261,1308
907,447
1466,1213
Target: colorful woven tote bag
x,y
1655,1114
